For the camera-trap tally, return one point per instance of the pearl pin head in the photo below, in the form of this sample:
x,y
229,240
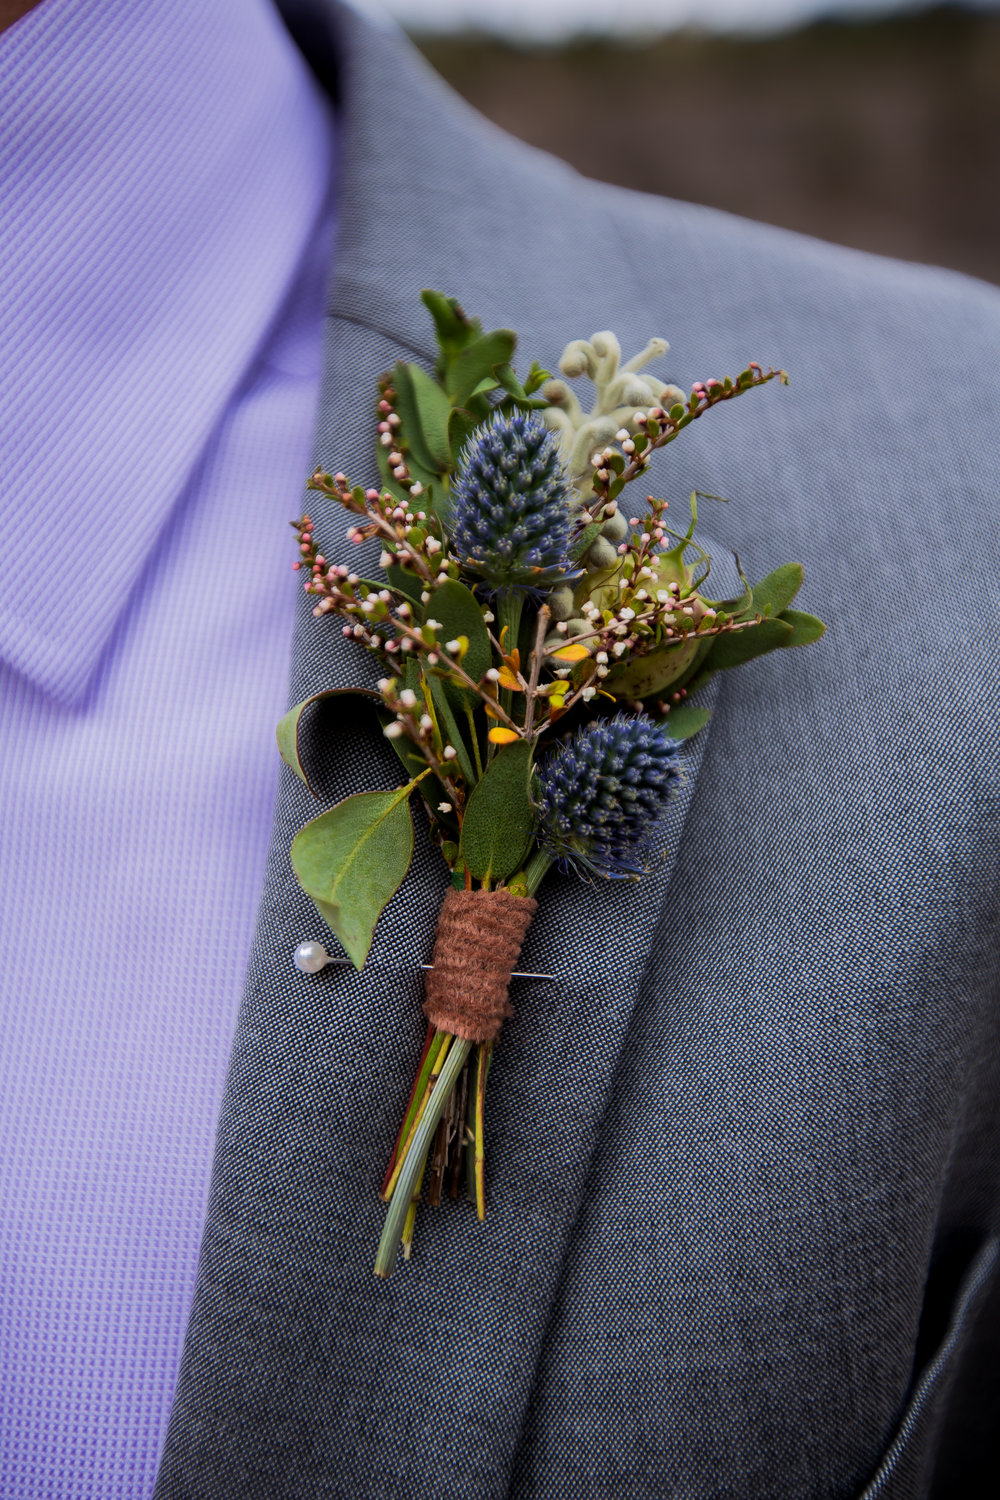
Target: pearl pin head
x,y
310,957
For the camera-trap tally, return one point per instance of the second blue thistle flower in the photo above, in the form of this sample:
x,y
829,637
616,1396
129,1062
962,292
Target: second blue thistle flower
x,y
600,792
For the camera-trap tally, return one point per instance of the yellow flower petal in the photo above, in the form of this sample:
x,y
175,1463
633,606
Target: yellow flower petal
x,y
501,736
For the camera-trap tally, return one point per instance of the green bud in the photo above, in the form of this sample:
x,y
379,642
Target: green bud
x,y
560,603
601,555
615,528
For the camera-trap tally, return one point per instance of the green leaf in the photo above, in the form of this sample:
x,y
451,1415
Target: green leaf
x,y
537,376
454,330
448,725
461,425
684,722
479,359
733,650
433,411
805,628
455,608
520,396
775,592
499,818
352,859
418,458
407,583
293,741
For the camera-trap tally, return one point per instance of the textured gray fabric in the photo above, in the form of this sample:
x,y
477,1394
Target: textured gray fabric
x,y
742,1160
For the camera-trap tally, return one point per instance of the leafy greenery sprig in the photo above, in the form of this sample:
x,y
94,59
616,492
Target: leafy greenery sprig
x,y
513,606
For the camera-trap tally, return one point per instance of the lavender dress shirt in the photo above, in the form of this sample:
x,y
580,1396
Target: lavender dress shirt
x,y
165,228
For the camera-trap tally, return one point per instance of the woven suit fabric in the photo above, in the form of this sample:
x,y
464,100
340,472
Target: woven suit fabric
x,y
741,1229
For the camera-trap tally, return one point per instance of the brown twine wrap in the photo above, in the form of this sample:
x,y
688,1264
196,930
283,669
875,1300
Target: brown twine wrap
x,y
479,937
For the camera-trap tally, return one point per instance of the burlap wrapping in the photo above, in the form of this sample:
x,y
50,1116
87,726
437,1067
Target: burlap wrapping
x,y
479,937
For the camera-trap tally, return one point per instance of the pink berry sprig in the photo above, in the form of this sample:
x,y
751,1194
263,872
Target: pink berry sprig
x,y
615,467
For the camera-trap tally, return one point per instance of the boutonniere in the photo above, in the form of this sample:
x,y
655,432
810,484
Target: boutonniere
x,y
540,636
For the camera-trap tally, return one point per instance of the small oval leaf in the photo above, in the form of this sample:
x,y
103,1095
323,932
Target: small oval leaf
x,y
775,592
684,722
499,819
805,628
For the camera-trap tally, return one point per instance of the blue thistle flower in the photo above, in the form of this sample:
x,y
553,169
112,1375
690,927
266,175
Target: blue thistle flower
x,y
599,792
511,504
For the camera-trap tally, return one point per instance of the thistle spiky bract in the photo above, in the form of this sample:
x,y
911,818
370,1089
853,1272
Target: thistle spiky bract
x,y
512,504
600,792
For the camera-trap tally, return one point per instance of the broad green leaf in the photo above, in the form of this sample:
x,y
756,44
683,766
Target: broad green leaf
x,y
461,425
805,628
433,411
418,459
477,360
292,740
499,818
456,610
775,592
684,722
407,583
352,859
732,650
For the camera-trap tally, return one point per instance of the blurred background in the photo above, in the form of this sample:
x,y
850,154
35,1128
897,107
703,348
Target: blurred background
x,y
877,126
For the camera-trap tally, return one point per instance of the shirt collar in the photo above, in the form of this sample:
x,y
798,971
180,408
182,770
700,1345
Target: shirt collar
x,y
164,163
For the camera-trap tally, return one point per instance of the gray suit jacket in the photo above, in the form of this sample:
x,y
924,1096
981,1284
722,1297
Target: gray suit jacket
x,y
742,1223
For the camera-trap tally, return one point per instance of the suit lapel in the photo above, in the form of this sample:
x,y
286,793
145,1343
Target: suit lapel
x,y
302,1374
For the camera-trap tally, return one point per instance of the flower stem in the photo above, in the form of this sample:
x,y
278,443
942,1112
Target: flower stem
x,y
536,870
411,1168
482,1065
438,1052
509,607
428,1057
